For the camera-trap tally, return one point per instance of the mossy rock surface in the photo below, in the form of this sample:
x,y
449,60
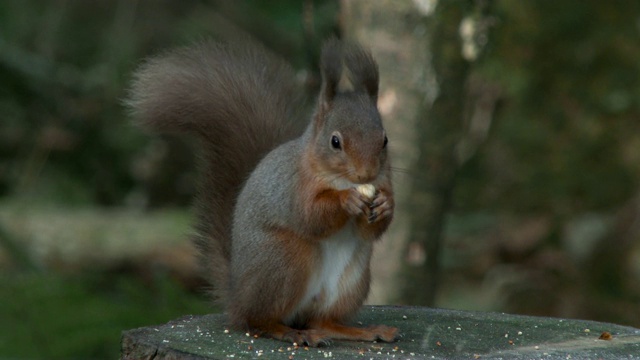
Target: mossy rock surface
x,y
427,334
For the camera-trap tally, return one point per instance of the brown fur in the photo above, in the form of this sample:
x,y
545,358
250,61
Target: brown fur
x,y
284,235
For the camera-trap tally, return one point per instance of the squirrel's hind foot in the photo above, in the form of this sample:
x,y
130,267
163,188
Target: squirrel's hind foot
x,y
310,337
320,334
336,331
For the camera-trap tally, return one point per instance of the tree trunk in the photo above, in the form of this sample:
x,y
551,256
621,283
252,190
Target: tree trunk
x,y
396,33
435,172
423,75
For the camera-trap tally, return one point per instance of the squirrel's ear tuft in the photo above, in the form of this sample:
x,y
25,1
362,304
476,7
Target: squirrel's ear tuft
x,y
360,68
331,69
363,70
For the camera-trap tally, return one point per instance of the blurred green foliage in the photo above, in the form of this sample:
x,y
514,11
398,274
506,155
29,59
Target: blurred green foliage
x,y
566,128
565,136
562,155
66,141
565,140
65,67
49,316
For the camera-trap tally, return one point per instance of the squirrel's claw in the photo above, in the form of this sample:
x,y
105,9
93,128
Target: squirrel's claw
x,y
356,204
381,208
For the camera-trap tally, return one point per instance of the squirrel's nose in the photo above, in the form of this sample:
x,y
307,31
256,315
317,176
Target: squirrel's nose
x,y
367,174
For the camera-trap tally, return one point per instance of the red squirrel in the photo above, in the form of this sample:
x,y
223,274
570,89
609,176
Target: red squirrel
x,y
286,224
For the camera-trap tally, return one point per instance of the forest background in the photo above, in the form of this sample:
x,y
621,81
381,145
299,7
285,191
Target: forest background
x,y
542,210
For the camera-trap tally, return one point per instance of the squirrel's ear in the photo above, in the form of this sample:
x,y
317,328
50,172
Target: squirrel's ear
x,y
363,70
331,69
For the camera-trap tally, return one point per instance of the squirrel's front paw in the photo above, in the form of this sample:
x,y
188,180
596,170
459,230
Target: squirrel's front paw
x,y
381,207
355,203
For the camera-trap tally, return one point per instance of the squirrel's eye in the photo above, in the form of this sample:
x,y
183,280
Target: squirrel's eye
x,y
384,144
335,142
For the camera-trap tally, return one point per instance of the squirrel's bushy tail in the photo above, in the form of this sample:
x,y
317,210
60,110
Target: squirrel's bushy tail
x,y
241,102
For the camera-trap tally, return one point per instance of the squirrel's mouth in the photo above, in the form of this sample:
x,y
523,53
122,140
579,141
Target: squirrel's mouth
x,y
341,183
344,183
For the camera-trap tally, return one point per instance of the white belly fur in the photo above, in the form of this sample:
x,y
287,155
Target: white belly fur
x,y
326,283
